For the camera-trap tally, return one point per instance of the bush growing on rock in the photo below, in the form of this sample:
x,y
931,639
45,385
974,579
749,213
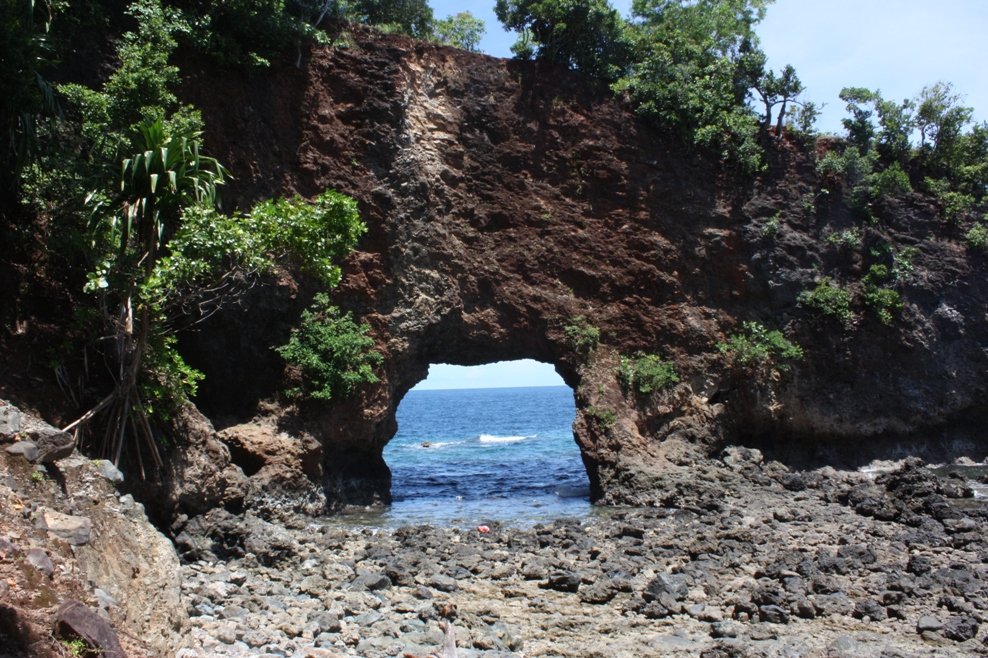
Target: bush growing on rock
x,y
757,346
581,335
830,300
331,353
646,373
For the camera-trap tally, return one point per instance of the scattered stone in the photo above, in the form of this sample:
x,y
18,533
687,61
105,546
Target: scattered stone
x,y
928,623
38,558
75,620
563,581
76,530
371,582
672,584
961,629
10,421
27,449
724,629
53,444
109,471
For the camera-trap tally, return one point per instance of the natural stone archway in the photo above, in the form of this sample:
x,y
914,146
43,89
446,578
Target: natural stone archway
x,y
504,200
491,442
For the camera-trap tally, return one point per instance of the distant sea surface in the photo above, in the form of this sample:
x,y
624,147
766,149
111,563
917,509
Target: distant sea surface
x,y
473,456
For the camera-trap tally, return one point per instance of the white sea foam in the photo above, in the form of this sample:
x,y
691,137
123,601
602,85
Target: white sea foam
x,y
435,445
492,438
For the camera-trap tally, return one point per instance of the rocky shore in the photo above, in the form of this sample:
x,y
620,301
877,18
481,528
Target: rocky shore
x,y
780,563
747,557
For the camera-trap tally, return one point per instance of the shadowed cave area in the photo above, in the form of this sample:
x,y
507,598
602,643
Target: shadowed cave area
x,y
486,443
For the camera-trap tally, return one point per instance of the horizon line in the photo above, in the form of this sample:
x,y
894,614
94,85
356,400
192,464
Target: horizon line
x,y
488,388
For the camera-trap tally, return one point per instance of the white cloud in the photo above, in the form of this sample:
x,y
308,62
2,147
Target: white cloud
x,y
503,374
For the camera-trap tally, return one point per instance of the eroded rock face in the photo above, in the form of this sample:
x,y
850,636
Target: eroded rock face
x,y
505,200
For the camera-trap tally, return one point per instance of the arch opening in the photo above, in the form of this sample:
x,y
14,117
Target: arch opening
x,y
487,443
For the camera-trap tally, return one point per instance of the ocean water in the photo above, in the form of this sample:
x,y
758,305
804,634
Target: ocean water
x,y
474,456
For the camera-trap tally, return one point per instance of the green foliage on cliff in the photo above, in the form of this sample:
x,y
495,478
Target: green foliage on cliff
x,y
977,237
462,30
581,335
694,66
134,201
830,300
27,96
331,353
586,35
646,373
758,347
893,145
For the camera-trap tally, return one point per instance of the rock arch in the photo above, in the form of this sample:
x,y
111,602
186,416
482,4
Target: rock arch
x,y
505,200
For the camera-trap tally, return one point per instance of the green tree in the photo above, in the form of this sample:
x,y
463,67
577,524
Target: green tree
x,y
778,90
412,17
941,120
694,64
26,94
859,126
462,30
156,184
584,35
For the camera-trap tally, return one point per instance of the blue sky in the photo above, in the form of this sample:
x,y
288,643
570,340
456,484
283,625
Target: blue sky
x,y
493,375
895,46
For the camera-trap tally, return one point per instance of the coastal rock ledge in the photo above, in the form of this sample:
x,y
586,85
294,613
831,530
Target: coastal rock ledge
x,y
508,203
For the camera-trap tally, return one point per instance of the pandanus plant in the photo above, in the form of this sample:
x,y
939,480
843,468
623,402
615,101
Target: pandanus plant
x,y
156,184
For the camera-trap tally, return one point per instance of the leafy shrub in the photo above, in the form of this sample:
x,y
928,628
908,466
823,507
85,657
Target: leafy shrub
x,y
902,263
848,238
890,182
977,237
876,274
830,300
884,301
331,352
581,335
759,347
605,417
646,373
955,205
771,227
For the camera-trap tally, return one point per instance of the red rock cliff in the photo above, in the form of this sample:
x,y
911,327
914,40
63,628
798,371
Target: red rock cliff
x,y
504,200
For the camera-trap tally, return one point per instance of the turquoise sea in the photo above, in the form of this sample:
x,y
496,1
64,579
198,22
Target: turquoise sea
x,y
475,456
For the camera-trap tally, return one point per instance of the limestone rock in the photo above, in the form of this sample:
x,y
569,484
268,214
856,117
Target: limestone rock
x,y
10,421
76,530
27,449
